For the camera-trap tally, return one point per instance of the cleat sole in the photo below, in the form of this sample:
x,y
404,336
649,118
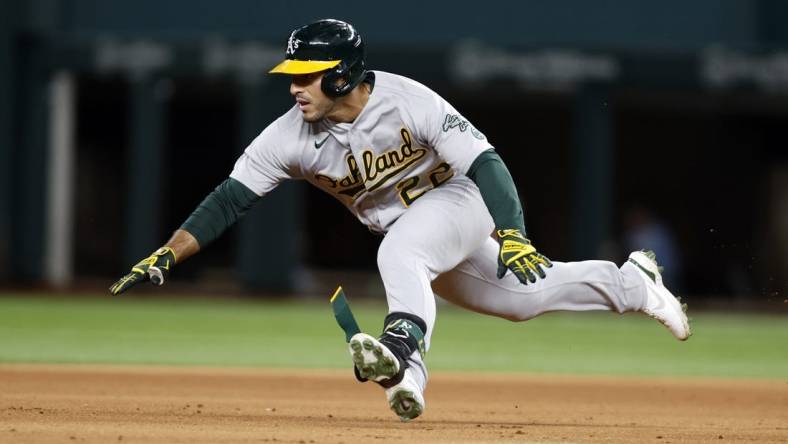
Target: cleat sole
x,y
370,359
405,405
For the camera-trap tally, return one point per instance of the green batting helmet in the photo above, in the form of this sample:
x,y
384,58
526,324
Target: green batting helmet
x,y
327,45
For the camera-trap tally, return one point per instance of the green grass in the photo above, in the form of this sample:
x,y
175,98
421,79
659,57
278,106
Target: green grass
x,y
35,329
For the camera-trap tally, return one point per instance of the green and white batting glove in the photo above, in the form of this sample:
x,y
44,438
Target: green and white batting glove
x,y
155,268
518,255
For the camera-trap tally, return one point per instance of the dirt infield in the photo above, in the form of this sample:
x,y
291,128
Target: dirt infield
x,y
133,404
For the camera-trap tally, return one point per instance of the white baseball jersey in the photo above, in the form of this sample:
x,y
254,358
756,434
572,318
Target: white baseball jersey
x,y
406,141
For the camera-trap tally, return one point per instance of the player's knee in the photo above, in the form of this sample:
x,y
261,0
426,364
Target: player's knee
x,y
523,309
394,256
518,317
384,254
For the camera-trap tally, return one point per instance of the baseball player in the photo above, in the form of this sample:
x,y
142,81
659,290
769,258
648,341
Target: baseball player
x,y
411,167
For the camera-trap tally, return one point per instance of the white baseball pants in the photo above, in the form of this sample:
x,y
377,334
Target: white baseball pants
x,y
442,245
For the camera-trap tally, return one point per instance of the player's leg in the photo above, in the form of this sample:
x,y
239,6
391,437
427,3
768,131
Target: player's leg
x,y
439,231
434,235
574,286
571,286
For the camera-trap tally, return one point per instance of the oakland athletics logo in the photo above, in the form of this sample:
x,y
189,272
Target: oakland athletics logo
x,y
351,185
292,44
379,169
376,169
456,121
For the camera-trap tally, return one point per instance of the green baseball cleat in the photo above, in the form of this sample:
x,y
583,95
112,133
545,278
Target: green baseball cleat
x,y
375,362
405,398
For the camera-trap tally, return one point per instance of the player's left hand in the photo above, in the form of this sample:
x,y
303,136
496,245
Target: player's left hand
x,y
155,267
518,255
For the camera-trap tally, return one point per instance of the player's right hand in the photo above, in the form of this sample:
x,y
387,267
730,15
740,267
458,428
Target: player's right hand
x,y
520,257
155,268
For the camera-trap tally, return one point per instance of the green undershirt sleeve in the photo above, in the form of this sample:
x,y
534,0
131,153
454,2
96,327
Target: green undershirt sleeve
x,y
498,191
219,210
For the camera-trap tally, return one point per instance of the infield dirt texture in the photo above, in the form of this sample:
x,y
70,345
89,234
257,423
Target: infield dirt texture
x,y
169,405
101,370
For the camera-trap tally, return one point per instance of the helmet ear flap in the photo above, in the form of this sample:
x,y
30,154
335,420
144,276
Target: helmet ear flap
x,y
341,79
335,81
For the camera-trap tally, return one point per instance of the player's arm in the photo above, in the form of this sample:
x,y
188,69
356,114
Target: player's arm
x,y
217,212
500,196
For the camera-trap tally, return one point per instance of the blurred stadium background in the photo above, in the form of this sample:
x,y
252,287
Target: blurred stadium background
x,y
625,124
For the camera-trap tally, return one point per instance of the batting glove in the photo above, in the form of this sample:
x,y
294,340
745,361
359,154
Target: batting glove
x,y
155,267
518,255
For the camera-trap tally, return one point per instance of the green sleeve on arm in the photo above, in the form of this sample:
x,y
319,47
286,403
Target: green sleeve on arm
x,y
219,210
498,191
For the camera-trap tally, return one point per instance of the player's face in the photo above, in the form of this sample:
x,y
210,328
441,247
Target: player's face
x,y
312,101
